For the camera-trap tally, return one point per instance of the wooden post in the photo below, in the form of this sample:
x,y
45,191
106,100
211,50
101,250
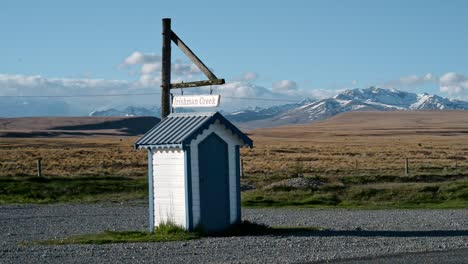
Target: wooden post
x,y
241,168
167,36
166,68
406,167
39,167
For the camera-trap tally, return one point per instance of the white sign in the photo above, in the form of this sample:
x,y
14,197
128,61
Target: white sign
x,y
195,101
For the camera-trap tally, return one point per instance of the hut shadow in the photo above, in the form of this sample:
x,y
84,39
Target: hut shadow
x,y
252,229
305,232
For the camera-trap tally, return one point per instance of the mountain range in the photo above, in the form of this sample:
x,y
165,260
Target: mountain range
x,y
128,111
259,113
369,99
308,111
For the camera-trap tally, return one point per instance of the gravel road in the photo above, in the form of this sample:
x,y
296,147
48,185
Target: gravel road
x,y
349,236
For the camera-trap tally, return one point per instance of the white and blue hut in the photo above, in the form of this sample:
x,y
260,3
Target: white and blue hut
x,y
194,171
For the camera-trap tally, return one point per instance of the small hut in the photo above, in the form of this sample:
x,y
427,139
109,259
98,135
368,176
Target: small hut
x,y
194,171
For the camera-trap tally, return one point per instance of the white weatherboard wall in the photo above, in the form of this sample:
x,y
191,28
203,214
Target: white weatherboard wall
x,y
169,186
232,141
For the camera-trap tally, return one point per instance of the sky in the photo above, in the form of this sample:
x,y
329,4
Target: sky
x,y
282,50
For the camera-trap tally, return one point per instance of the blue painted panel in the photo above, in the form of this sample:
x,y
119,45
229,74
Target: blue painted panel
x,y
188,189
238,193
150,191
214,183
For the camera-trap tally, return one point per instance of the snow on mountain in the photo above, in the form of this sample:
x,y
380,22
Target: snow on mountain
x,y
433,102
258,113
307,111
370,99
384,97
128,111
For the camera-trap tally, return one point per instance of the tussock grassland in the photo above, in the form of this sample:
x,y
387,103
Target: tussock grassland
x,y
359,158
74,170
367,156
72,157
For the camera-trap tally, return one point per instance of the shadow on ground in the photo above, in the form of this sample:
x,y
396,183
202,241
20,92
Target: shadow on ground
x,y
253,229
365,233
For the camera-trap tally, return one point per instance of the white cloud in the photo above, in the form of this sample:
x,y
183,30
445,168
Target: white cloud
x,y
180,68
140,58
454,84
285,86
148,80
411,80
242,89
321,93
249,76
235,95
429,77
453,78
151,67
13,85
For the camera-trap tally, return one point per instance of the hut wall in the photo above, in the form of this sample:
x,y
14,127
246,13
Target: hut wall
x,y
169,186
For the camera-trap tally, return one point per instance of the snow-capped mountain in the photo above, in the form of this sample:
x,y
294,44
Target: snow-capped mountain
x,y
391,98
433,102
136,111
307,111
263,113
370,99
128,111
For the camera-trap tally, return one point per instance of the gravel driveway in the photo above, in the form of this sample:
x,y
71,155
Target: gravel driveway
x,y
349,234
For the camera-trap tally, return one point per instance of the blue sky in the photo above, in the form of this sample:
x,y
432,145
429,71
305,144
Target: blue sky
x,y
294,48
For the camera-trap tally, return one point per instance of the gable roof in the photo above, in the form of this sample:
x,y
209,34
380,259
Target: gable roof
x,y
178,129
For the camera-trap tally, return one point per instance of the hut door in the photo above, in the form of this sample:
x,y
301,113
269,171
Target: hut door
x,y
214,187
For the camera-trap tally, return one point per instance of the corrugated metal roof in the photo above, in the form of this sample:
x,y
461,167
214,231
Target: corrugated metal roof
x,y
180,128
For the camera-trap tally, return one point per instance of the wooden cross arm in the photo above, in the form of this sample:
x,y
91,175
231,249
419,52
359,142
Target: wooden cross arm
x,y
197,83
189,53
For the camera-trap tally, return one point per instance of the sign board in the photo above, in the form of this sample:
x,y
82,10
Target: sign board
x,y
195,101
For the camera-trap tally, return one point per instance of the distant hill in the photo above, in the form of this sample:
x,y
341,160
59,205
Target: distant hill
x,y
75,126
375,123
128,111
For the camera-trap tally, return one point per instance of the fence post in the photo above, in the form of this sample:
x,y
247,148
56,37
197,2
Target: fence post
x,y
39,167
241,168
406,167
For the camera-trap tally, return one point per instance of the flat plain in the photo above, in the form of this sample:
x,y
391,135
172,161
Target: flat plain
x,y
354,160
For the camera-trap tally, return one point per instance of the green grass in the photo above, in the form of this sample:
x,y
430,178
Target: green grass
x,y
162,233
363,192
70,189
171,232
452,194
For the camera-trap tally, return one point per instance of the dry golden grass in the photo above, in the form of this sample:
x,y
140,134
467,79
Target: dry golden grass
x,y
359,157
83,156
364,143
350,144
